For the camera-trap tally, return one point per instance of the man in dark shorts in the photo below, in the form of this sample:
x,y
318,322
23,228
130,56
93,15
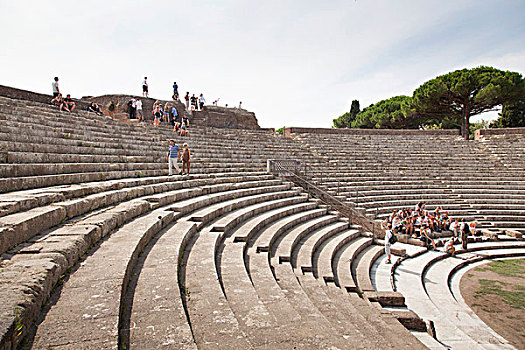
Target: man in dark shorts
x,y
56,90
145,87
175,91
68,102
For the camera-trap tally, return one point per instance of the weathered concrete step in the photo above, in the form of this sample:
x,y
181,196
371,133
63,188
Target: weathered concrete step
x,y
343,263
362,266
28,199
229,221
213,211
302,258
157,313
282,249
260,238
213,322
341,314
296,321
89,304
436,281
325,253
263,327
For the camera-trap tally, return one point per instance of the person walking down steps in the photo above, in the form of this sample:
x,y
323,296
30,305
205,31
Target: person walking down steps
x,y
186,156
172,157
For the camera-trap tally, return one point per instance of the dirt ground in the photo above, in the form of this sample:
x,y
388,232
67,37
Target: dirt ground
x,y
496,293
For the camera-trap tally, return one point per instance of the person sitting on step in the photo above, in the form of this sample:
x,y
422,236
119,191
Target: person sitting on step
x,y
68,101
59,102
425,236
449,247
93,107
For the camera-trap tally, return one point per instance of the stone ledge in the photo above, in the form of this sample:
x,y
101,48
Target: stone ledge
x,y
386,298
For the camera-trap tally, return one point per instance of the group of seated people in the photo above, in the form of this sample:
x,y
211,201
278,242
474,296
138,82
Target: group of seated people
x,y
67,104
63,104
420,223
182,126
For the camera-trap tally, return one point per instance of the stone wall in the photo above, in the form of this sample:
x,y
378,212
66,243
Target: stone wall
x,y
222,117
214,116
20,94
487,133
288,131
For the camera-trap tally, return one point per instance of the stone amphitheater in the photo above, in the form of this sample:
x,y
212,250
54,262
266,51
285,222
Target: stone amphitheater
x,y
272,242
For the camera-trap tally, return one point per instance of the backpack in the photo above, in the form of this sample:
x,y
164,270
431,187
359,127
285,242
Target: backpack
x,y
393,239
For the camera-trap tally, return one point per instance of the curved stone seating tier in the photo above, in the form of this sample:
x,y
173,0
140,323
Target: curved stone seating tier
x,y
39,263
430,285
99,249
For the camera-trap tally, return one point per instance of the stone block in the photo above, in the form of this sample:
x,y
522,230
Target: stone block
x,y
25,225
410,320
386,298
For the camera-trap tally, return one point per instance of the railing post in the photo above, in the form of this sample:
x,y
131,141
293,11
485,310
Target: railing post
x,y
357,199
349,219
307,191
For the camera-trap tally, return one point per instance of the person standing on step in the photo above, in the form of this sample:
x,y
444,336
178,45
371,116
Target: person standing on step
x,y
193,100
138,107
186,157
132,108
167,113
56,90
465,230
202,101
145,87
173,157
187,99
388,237
175,91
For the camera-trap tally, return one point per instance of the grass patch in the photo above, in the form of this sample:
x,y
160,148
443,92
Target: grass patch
x,y
514,299
509,268
518,287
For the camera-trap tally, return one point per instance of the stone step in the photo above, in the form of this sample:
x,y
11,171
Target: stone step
x,y
341,314
254,318
302,257
89,304
212,320
282,249
157,298
325,253
362,266
343,263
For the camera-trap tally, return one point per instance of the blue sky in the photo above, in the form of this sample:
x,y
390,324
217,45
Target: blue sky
x,y
294,63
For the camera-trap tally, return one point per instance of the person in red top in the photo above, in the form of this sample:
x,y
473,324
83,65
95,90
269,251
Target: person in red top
x,y
187,99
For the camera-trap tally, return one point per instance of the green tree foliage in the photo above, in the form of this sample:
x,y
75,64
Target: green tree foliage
x,y
512,115
456,96
394,113
345,121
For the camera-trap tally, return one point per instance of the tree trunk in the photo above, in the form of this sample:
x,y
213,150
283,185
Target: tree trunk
x,y
465,127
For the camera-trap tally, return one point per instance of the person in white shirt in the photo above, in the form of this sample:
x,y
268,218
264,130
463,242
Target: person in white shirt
x,y
56,90
388,235
138,106
145,87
